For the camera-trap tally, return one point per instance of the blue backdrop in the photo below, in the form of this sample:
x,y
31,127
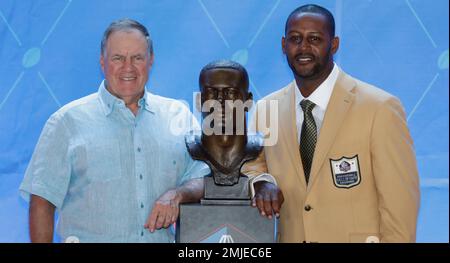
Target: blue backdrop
x,y
49,53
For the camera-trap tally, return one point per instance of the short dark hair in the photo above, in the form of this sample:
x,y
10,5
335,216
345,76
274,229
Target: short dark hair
x,y
315,9
225,64
126,25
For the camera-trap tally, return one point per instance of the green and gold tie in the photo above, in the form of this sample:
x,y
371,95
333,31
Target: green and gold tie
x,y
308,137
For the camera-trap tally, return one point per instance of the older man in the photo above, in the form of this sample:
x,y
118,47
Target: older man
x,y
111,162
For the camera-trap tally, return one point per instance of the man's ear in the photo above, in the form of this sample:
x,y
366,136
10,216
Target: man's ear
x,y
102,63
334,45
152,59
283,45
198,101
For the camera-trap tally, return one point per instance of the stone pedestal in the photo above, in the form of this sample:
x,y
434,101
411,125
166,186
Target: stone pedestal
x,y
226,221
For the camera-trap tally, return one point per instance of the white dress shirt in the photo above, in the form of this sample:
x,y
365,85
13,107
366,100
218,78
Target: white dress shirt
x,y
320,97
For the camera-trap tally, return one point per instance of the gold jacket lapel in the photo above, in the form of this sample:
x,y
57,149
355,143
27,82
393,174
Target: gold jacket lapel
x,y
340,102
288,127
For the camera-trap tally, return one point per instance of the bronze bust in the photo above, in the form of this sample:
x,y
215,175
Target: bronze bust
x,y
225,212
224,144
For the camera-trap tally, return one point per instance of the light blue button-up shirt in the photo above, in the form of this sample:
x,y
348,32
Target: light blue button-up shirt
x,y
103,168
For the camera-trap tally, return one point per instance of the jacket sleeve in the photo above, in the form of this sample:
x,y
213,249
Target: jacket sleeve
x,y
395,171
256,169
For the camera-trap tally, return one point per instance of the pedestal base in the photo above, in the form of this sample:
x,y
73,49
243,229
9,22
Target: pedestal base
x,y
224,223
233,192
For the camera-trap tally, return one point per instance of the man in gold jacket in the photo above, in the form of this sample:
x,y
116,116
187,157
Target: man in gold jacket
x,y
344,159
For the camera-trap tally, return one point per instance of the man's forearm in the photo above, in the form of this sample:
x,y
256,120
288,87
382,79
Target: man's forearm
x,y
41,218
191,191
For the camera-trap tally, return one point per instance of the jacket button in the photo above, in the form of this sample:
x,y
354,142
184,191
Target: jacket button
x,y
308,207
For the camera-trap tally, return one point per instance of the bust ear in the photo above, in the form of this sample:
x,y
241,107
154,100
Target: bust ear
x,y
249,101
198,101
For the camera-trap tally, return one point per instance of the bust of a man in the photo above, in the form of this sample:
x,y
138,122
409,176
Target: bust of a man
x,y
224,144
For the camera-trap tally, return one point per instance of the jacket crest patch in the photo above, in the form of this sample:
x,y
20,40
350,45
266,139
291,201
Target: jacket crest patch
x,y
345,172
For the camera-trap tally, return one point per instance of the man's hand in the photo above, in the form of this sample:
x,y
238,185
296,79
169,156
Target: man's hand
x,y
164,212
268,198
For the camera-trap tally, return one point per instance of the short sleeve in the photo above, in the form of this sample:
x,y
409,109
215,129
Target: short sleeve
x,y
48,172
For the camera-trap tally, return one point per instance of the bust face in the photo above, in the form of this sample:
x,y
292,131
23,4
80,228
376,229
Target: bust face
x,y
222,90
223,84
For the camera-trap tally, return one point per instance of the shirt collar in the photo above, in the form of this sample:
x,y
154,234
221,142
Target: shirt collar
x,y
320,96
110,101
149,102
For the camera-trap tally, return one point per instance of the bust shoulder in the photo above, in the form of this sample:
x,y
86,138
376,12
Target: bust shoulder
x,y
192,140
254,145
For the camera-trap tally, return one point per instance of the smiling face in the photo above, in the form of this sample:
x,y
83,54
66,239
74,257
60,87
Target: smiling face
x,y
126,63
309,46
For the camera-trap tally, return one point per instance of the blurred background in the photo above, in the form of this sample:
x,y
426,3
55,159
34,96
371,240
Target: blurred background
x,y
49,56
